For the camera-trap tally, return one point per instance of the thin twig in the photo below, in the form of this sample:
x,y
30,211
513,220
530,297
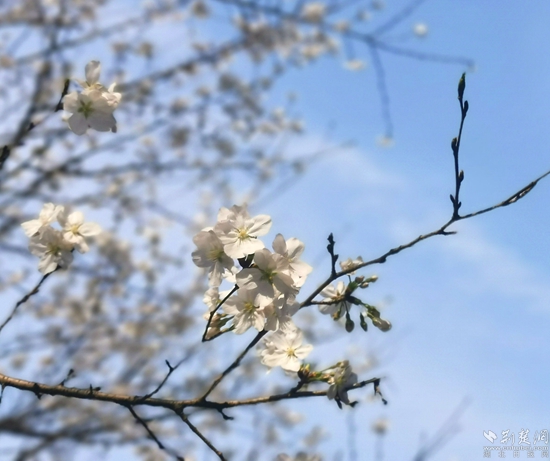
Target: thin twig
x,y
205,337
24,299
153,436
235,363
198,433
171,369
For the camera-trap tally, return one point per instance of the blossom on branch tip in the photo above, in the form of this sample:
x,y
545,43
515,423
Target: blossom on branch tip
x,y
55,247
341,379
336,296
351,263
90,110
94,106
75,229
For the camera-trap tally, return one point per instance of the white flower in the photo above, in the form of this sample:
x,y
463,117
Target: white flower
x,y
247,313
351,263
341,379
210,255
239,232
335,295
284,348
291,250
75,229
112,97
47,215
279,314
52,249
354,64
314,11
93,70
212,298
90,110
94,106
420,30
267,277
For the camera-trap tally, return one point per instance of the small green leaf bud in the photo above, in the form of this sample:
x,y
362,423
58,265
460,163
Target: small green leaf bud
x,y
362,322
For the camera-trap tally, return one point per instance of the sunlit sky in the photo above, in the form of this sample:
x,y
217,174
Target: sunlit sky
x,y
470,312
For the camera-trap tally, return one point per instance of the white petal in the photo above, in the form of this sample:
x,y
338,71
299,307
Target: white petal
x,y
93,68
78,124
279,244
31,227
101,121
89,229
70,102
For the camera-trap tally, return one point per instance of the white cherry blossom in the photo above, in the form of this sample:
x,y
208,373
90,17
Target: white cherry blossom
x,y
211,256
52,249
314,11
239,232
341,378
268,277
351,263
90,110
284,349
291,250
93,70
75,230
335,295
47,215
279,314
247,313
94,106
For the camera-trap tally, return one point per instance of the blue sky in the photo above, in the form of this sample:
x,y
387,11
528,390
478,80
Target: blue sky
x,y
470,311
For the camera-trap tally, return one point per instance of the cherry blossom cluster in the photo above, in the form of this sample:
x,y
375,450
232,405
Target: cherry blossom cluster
x,y
266,284
263,297
55,247
340,298
339,377
92,107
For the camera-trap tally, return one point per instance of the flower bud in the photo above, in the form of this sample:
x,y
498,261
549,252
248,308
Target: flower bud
x,y
381,324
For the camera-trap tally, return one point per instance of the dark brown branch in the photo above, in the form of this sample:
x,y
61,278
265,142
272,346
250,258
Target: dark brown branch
x,y
177,406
